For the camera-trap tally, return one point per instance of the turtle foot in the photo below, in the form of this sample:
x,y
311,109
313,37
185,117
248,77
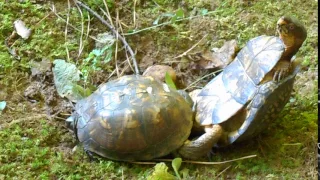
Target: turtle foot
x,y
281,70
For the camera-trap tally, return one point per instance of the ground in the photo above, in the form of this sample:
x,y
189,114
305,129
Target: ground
x,y
38,146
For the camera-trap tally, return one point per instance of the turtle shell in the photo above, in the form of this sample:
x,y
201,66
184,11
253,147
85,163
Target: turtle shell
x,y
262,110
133,118
228,94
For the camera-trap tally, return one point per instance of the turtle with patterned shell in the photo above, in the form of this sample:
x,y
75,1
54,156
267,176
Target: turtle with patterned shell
x,y
253,89
138,118
135,118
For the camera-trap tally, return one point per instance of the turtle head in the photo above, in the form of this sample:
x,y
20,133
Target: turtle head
x,y
70,122
292,32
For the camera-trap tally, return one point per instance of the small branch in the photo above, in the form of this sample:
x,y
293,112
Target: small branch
x,y
222,172
143,163
114,32
169,22
81,46
17,121
208,163
66,32
195,82
185,53
58,16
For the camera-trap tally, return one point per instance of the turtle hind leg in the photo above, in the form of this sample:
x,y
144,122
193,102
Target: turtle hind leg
x,y
90,156
201,146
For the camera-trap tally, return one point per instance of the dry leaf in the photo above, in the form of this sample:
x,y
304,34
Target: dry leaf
x,y
21,29
220,58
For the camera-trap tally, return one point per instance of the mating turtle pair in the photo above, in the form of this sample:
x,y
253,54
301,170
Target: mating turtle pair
x,y
138,118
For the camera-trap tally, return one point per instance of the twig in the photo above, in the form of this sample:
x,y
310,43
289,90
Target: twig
x,y
195,82
222,172
108,12
193,162
208,163
141,162
114,32
116,51
134,13
38,116
185,53
129,63
66,31
70,25
81,46
169,22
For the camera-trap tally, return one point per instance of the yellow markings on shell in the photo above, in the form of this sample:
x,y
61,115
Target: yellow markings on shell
x,y
156,119
121,136
92,131
114,97
165,88
130,123
149,90
149,78
233,134
126,91
105,124
142,87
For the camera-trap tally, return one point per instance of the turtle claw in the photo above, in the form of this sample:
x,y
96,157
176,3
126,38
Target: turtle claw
x,y
210,155
90,155
281,70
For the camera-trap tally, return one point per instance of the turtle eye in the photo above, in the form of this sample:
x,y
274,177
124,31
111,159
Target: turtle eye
x,y
291,26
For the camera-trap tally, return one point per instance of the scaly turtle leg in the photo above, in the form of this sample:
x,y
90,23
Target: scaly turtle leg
x,y
199,147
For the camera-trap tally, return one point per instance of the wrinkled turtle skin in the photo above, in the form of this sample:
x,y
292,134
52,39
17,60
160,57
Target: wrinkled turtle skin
x,y
254,88
132,118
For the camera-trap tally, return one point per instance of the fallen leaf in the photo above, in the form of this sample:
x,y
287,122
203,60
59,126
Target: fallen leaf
x,y
21,29
216,58
159,72
2,106
161,173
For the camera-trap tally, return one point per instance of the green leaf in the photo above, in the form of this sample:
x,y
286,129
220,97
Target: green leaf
x,y
176,163
179,13
204,12
169,81
173,19
80,91
65,76
161,173
2,105
185,173
156,22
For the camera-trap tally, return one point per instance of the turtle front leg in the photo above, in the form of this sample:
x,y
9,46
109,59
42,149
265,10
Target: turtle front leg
x,y
199,147
281,70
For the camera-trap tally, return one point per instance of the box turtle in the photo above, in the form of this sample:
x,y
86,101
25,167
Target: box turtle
x,y
135,118
255,87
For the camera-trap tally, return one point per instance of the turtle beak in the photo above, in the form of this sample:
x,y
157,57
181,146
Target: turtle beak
x,y
70,122
282,26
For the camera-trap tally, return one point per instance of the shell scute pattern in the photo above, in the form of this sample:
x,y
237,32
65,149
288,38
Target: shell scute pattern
x,y
130,122
265,107
237,100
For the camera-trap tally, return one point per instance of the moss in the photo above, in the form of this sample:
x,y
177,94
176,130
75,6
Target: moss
x,y
43,149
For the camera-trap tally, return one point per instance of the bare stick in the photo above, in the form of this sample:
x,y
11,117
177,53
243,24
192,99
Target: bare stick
x,y
195,82
222,172
66,31
26,119
208,163
81,46
114,32
185,53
